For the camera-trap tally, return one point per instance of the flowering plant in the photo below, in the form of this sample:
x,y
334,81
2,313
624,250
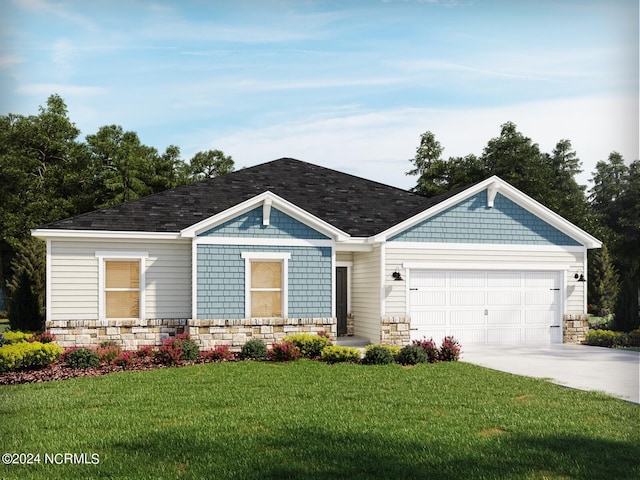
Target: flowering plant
x,y
450,349
284,351
430,348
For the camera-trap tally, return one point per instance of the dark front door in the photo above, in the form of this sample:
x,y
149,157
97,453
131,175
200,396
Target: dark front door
x,y
341,299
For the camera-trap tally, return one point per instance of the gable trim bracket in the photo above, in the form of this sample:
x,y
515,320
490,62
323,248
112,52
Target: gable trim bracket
x,y
492,191
266,211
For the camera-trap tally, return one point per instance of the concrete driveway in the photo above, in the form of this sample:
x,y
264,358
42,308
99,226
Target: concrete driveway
x,y
614,372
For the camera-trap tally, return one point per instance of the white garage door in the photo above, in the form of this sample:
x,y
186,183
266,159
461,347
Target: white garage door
x,y
486,307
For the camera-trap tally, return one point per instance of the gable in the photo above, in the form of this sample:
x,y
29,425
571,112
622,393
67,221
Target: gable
x,y
250,225
472,221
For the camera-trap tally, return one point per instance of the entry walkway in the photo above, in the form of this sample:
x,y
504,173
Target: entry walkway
x,y
612,371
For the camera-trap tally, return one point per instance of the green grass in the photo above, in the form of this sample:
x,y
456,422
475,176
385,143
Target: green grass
x,y
311,420
4,324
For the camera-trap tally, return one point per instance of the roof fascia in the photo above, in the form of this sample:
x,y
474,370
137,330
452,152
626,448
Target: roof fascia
x,y
266,200
45,233
494,185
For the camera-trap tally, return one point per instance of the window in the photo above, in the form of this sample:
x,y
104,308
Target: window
x,y
266,284
121,284
122,289
266,288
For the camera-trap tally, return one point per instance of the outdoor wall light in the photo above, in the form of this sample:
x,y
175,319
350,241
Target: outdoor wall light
x,y
396,276
579,277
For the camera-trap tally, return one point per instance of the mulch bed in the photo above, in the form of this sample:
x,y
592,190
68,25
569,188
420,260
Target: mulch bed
x,y
59,371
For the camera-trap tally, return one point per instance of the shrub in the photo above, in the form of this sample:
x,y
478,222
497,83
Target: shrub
x,y
310,345
190,349
178,348
604,338
377,355
336,354
411,355
108,354
430,348
44,337
109,343
23,355
81,358
2,341
125,359
450,350
148,351
169,353
634,338
16,336
254,349
221,353
284,351
603,322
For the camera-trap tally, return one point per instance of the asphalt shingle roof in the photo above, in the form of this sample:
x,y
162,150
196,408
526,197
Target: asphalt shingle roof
x,y
357,206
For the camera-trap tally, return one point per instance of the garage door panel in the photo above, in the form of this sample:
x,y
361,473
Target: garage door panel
x,y
540,298
467,299
428,279
540,317
429,318
467,317
504,317
468,279
468,336
504,335
540,279
486,306
436,334
504,298
430,298
504,279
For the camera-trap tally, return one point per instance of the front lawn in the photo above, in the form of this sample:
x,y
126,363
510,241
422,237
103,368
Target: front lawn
x,y
312,420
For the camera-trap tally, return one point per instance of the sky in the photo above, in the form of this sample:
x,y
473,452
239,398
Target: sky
x,y
349,85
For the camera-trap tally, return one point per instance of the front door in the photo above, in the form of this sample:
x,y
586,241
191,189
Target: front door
x,y
341,299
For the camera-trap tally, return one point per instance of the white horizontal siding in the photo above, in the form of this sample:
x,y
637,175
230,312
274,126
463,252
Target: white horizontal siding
x,y
74,277
396,292
365,295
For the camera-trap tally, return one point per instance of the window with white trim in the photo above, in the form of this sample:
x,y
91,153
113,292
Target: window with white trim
x,y
122,288
121,284
266,284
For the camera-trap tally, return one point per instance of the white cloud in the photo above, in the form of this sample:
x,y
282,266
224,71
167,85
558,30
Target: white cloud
x,y
378,145
9,61
47,89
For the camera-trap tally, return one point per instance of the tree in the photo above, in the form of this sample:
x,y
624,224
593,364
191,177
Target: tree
x,y
615,200
41,172
210,164
169,170
627,312
548,178
517,160
27,287
604,281
121,165
568,198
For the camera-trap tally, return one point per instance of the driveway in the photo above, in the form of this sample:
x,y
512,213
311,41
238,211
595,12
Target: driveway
x,y
614,372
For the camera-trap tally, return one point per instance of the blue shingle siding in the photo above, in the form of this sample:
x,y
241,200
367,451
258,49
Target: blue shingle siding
x,y
250,225
221,280
471,221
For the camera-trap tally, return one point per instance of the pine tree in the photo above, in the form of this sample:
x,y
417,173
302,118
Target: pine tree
x,y
604,281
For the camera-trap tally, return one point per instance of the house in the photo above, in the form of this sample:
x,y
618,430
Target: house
x,y
288,246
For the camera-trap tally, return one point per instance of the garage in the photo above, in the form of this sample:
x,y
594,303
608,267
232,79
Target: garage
x,y
486,307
